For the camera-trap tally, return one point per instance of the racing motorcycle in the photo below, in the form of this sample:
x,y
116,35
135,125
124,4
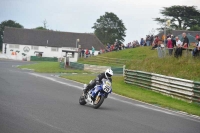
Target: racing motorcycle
x,y
96,96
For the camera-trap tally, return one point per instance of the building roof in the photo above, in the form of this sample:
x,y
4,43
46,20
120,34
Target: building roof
x,y
50,38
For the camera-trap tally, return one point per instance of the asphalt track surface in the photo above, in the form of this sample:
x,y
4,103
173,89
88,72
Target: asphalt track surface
x,y
41,103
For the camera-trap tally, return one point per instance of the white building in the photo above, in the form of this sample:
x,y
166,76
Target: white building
x,y
24,43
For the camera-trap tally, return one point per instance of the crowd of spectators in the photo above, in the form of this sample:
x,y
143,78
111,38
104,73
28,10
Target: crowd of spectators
x,y
174,43
170,42
86,52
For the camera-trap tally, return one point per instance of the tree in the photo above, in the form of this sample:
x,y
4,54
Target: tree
x,y
182,17
44,27
195,28
109,27
40,28
9,23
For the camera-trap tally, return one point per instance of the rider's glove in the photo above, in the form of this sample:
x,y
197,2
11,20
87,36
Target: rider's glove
x,y
97,82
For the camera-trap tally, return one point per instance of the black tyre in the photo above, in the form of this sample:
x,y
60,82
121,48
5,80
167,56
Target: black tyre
x,y
82,100
96,106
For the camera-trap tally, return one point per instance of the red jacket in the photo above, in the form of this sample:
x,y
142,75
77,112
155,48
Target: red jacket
x,y
169,44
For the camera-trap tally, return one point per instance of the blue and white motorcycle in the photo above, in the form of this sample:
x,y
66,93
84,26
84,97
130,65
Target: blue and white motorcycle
x,y
96,96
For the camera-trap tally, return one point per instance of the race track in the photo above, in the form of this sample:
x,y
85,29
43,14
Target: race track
x,y
41,103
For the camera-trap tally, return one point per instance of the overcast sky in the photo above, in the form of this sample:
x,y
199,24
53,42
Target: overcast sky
x,y
80,15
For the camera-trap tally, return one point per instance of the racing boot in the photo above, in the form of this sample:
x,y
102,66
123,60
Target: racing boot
x,y
85,91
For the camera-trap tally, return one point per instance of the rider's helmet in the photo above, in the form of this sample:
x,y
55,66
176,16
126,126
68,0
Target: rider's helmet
x,y
108,73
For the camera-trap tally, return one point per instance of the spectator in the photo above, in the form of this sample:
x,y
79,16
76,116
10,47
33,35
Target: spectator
x,y
100,51
107,49
142,42
123,47
155,45
116,46
178,51
87,52
137,43
173,41
82,53
197,37
197,48
103,50
134,44
120,46
148,40
163,38
185,41
108,45
93,50
170,46
151,40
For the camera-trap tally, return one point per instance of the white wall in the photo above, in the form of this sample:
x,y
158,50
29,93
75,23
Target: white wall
x,y
46,52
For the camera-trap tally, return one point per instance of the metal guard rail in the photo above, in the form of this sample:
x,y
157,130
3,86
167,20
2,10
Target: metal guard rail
x,y
184,89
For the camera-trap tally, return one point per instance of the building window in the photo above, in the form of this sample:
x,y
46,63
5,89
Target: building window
x,y
34,47
54,49
13,46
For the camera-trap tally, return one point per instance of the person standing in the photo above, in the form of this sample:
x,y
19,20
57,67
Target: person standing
x,y
93,50
151,40
173,41
170,46
148,40
142,42
185,41
155,42
82,53
197,48
178,51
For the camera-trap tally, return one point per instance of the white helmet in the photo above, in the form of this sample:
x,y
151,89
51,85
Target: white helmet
x,y
108,73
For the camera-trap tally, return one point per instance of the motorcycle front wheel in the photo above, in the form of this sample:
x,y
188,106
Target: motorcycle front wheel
x,y
82,100
99,100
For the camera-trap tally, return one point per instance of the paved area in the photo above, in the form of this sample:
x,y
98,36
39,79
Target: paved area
x,y
42,103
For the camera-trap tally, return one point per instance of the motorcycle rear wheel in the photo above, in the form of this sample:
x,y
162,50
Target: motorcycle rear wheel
x,y
96,106
82,100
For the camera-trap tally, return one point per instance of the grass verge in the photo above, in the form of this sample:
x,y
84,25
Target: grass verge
x,y
145,59
50,67
144,95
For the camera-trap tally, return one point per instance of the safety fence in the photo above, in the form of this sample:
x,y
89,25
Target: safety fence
x,y
184,89
163,52
95,68
38,58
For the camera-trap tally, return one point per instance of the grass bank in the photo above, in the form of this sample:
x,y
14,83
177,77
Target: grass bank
x,y
145,59
50,67
144,95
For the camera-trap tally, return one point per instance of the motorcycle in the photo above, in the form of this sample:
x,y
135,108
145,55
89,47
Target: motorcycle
x,y
96,96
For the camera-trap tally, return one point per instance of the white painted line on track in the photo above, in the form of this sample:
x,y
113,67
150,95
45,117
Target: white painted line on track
x,y
47,124
52,79
166,111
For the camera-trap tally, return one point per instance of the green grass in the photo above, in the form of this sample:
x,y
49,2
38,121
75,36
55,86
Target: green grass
x,y
50,67
144,95
144,59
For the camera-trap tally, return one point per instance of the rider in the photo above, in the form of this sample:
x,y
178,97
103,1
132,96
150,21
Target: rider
x,y
105,75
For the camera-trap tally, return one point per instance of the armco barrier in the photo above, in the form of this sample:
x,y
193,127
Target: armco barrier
x,y
117,70
76,65
38,58
181,88
62,64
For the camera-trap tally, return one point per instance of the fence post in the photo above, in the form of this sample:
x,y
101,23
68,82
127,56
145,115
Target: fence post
x,y
124,66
